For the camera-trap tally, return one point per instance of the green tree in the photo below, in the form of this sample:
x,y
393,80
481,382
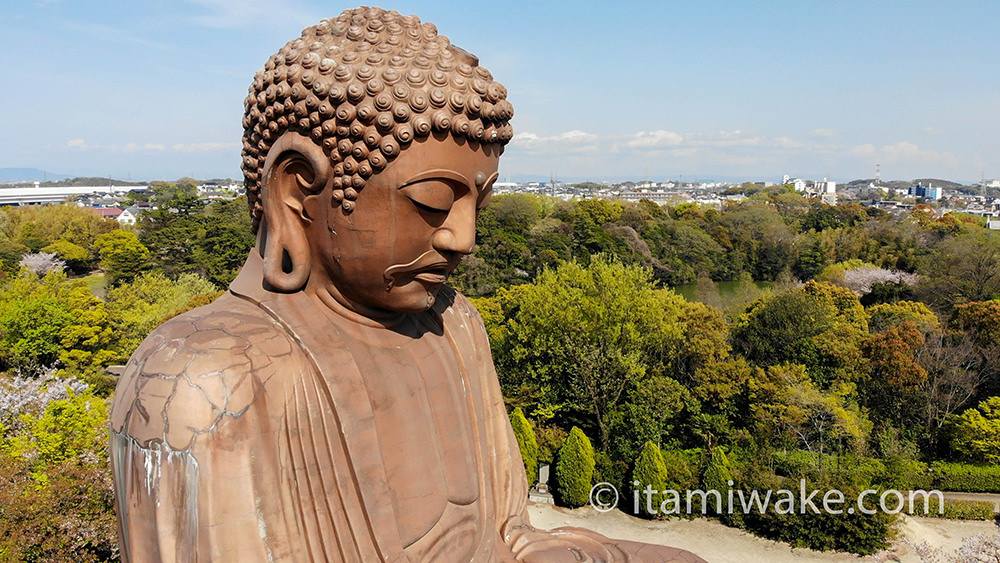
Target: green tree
x,y
655,410
32,318
790,409
575,470
136,308
721,390
10,256
123,257
718,476
56,498
888,292
52,322
896,377
650,471
961,269
583,334
50,223
981,319
976,432
77,258
705,340
224,241
68,429
527,443
87,339
818,325
883,316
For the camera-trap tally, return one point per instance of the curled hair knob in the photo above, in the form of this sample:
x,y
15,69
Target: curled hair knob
x,y
403,133
383,102
421,125
441,121
377,160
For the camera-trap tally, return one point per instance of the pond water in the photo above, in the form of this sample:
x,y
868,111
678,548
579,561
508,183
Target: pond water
x,y
724,294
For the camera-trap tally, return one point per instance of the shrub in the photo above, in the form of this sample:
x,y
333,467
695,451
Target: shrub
x,y
527,443
56,499
610,470
955,509
976,432
907,475
682,469
67,517
884,316
859,533
718,476
966,478
887,292
550,438
650,471
574,470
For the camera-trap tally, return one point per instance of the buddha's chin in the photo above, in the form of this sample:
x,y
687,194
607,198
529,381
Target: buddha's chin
x,y
413,297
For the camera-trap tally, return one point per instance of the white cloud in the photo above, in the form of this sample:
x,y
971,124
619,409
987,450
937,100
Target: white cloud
x,y
823,133
203,147
654,139
570,141
735,138
786,143
133,147
904,152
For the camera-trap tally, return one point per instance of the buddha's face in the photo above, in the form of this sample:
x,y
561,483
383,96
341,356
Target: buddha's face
x,y
410,226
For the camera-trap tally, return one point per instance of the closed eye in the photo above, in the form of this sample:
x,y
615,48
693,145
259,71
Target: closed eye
x,y
432,196
427,208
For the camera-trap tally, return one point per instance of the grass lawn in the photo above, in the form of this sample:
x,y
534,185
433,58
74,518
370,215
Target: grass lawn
x,y
96,284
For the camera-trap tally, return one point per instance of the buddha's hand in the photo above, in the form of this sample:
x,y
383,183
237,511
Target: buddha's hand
x,y
578,545
569,545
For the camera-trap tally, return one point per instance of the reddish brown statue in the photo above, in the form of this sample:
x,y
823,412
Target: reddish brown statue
x,y
339,403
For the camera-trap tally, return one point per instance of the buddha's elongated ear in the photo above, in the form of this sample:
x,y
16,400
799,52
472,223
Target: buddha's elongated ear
x,y
295,169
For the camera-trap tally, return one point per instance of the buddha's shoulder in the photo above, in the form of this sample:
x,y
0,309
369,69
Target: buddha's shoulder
x,y
200,368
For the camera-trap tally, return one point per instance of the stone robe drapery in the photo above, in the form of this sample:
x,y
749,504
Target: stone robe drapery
x,y
265,427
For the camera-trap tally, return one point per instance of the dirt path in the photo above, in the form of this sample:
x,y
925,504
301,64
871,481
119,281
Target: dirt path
x,y
718,544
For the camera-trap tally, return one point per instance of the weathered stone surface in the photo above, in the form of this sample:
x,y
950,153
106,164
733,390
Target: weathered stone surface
x,y
339,403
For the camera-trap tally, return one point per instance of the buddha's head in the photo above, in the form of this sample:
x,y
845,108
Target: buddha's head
x,y
370,144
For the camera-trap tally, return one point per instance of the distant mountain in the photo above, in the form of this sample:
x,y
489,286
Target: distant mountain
x,y
92,181
526,178
28,175
936,182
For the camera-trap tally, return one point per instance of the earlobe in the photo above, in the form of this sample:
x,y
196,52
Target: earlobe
x,y
295,169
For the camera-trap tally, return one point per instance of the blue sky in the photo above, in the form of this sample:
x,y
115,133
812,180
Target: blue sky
x,y
709,89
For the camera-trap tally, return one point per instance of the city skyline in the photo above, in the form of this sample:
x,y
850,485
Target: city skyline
x,y
715,90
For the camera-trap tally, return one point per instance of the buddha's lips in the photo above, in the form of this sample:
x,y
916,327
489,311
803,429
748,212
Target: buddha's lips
x,y
428,267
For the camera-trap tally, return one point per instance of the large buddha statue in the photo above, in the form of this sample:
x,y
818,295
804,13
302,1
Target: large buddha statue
x,y
339,402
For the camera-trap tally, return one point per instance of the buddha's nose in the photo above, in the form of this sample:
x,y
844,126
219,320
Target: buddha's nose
x,y
458,232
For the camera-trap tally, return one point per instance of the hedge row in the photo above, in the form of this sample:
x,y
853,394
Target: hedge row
x,y
900,474
957,510
962,477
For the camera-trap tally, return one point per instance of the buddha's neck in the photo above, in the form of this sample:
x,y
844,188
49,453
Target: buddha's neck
x,y
330,298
